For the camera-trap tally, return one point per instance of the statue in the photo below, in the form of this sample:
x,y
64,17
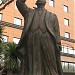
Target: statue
x,y
39,46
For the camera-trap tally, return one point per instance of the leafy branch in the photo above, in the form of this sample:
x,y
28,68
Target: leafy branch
x,y
7,3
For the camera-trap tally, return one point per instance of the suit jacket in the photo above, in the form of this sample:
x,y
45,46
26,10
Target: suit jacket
x,y
50,20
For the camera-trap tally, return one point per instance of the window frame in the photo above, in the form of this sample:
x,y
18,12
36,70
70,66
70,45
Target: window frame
x,y
69,66
69,50
17,39
68,35
65,7
51,3
5,38
16,18
66,22
1,16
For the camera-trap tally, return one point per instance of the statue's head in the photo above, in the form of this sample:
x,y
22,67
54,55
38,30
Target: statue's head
x,y
40,2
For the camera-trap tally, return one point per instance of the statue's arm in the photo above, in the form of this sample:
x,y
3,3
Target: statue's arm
x,y
22,7
57,32
58,42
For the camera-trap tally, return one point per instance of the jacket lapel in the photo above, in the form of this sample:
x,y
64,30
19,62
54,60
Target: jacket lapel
x,y
49,23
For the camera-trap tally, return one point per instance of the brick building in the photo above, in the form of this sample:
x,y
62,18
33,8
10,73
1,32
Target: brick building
x,y
13,23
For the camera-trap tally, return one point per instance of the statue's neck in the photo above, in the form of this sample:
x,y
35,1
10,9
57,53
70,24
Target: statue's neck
x,y
41,8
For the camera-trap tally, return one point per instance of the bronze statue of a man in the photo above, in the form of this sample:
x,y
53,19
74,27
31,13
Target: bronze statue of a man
x,y
39,46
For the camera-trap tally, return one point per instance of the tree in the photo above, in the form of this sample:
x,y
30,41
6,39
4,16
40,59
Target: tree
x,y
1,56
11,60
8,51
4,3
1,30
8,55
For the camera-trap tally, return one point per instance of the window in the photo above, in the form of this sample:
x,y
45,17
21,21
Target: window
x,y
74,52
70,51
51,3
62,49
0,16
17,21
62,65
16,40
74,66
65,8
71,66
66,21
67,35
66,65
65,49
5,38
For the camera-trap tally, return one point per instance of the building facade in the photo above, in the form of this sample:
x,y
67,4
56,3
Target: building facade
x,y
13,23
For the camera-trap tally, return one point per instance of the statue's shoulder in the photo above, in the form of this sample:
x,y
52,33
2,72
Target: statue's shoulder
x,y
50,13
53,14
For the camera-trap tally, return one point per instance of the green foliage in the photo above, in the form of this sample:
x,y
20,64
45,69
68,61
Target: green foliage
x,y
0,42
11,60
1,30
